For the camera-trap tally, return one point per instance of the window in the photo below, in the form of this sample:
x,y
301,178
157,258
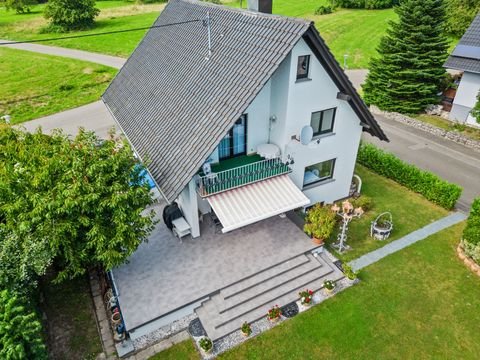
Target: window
x,y
322,121
318,172
235,143
302,66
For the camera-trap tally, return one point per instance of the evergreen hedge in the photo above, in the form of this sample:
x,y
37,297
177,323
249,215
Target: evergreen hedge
x,y
423,182
471,234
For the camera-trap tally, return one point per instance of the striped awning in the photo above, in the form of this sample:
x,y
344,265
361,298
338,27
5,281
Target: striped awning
x,y
251,203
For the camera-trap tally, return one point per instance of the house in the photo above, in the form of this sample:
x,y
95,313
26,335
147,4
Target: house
x,y
267,78
466,57
240,115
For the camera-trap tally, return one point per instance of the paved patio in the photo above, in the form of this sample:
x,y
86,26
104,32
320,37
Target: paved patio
x,y
164,275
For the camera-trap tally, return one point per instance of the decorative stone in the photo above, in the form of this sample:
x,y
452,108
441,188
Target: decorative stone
x,y
289,310
195,328
449,135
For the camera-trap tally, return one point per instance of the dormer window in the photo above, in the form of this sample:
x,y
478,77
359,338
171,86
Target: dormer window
x,y
303,67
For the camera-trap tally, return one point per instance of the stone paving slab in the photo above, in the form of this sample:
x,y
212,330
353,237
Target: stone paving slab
x,y
407,240
165,274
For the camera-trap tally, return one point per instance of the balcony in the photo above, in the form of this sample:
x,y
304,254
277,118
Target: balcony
x,y
232,178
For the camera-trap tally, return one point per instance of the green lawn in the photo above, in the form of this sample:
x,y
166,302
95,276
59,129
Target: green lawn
x,y
355,33
420,303
445,124
182,351
114,15
410,212
35,85
71,328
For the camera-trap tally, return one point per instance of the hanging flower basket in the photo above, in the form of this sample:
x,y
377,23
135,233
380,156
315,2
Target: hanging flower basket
x,y
382,227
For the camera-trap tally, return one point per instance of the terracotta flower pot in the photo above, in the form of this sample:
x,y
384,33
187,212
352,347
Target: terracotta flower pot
x,y
245,334
317,241
274,320
116,318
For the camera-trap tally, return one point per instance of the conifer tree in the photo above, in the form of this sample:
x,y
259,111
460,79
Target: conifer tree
x,y
406,75
20,330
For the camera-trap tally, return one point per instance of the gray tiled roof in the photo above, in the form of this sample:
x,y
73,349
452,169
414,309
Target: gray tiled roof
x,y
175,106
470,38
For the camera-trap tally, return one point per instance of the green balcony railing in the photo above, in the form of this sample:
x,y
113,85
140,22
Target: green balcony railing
x,y
215,183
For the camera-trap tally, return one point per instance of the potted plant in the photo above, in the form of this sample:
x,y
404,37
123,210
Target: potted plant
x,y
349,273
206,345
306,297
329,285
246,329
319,223
274,314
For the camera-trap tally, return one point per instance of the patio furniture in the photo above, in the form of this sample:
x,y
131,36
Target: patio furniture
x,y
181,227
268,151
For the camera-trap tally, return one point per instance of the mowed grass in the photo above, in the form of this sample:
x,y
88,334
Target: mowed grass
x,y
351,32
114,16
35,85
71,328
410,211
182,351
468,131
419,303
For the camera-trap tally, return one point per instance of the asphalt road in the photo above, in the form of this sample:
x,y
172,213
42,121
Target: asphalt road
x,y
449,160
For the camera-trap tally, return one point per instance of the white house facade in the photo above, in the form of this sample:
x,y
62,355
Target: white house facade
x,y
289,102
261,122
466,57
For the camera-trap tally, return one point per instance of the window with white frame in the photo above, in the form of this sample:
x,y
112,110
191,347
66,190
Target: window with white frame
x,y
319,172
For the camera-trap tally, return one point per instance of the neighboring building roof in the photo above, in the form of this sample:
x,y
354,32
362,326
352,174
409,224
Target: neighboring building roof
x,y
466,55
175,106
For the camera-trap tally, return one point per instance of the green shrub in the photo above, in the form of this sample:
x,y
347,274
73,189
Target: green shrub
x,y
20,330
472,230
423,182
323,10
471,233
364,201
71,14
348,271
20,6
319,222
365,4
476,110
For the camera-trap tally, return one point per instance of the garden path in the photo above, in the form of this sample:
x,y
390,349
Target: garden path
x,y
413,237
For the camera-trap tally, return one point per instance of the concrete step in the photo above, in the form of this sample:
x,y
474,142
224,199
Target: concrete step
x,y
276,270
274,284
219,324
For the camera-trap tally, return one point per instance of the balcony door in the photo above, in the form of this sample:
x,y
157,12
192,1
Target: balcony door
x,y
235,143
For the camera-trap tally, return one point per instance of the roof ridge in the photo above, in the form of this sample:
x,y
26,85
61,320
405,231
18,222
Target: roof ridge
x,y
208,4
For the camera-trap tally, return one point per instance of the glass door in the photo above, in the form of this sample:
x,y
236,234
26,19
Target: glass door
x,y
235,143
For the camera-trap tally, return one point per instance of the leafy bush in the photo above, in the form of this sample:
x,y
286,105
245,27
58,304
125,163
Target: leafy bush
x,y
425,183
323,10
71,14
471,233
319,222
476,110
20,6
246,328
349,273
20,330
461,14
364,201
206,344
365,4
